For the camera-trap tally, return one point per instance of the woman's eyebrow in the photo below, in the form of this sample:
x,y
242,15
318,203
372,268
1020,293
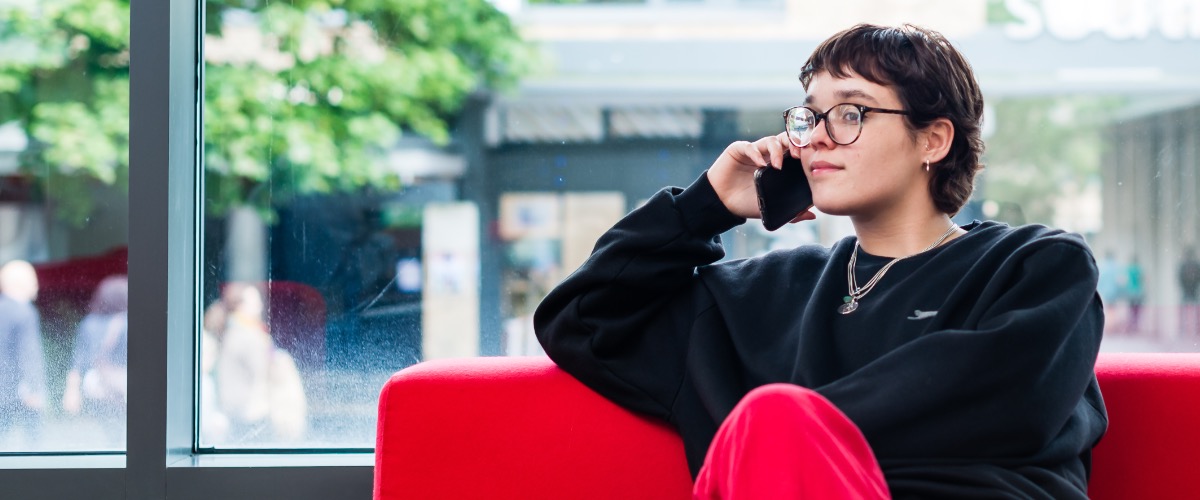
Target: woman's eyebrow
x,y
855,94
846,95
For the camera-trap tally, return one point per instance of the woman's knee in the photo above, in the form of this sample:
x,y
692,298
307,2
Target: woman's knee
x,y
780,395
783,398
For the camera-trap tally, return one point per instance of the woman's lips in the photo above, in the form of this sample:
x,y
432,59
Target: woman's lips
x,y
824,167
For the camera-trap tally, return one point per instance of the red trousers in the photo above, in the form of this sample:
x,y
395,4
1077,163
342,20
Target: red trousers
x,y
785,441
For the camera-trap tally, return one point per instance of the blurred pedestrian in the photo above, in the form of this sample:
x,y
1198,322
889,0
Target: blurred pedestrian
x,y
1110,286
214,425
257,384
1189,282
1135,293
96,385
22,360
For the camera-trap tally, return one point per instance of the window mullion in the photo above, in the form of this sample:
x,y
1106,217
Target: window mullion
x,y
163,97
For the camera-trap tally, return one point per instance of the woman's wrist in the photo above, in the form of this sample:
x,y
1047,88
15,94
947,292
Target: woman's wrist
x,y
702,210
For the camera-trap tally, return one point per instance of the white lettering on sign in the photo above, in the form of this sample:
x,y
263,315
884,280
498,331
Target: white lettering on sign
x,y
1116,19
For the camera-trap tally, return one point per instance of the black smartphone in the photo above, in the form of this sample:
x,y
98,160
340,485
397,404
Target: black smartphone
x,y
783,193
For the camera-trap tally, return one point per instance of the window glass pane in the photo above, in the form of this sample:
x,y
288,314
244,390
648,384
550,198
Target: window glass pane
x,y
375,196
64,101
340,243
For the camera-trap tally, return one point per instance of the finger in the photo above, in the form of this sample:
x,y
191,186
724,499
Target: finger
x,y
790,148
751,152
784,142
775,150
805,215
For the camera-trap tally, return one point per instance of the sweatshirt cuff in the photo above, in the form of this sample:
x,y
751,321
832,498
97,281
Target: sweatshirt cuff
x,y
702,211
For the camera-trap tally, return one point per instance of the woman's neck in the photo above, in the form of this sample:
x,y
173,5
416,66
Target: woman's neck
x,y
901,235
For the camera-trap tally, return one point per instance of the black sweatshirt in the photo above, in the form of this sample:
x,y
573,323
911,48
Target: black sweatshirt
x,y
969,367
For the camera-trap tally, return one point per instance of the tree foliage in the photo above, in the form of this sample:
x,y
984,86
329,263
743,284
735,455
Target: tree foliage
x,y
64,78
300,96
1044,149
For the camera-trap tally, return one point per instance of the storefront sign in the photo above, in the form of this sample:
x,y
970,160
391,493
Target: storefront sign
x,y
1115,19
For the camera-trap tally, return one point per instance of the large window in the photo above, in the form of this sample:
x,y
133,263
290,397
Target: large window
x,y
338,243
332,194
64,170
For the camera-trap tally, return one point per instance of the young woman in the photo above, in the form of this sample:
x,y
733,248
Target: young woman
x,y
914,359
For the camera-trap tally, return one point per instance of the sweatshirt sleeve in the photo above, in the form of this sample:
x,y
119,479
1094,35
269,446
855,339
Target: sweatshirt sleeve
x,y
1019,383
620,322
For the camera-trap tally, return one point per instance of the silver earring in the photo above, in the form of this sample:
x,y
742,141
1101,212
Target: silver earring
x,y
926,165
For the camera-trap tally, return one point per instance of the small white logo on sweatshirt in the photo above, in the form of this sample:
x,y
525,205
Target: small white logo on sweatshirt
x,y
919,314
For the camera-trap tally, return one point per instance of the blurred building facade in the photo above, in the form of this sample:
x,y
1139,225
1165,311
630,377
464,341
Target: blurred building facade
x,y
635,95
1152,203
642,94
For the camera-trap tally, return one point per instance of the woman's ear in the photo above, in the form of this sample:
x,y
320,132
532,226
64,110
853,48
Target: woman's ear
x,y
938,136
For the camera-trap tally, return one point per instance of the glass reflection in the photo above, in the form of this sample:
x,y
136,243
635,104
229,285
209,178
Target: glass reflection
x,y
96,385
64,168
23,372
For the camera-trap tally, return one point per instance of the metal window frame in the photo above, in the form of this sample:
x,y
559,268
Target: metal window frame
x,y
165,193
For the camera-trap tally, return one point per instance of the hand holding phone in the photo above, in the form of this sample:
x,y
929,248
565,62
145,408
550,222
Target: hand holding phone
x,y
783,193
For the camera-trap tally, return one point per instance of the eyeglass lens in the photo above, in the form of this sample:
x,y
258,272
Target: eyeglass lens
x,y
843,124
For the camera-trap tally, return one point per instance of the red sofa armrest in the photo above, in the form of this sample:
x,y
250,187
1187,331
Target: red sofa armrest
x,y
1150,450
517,428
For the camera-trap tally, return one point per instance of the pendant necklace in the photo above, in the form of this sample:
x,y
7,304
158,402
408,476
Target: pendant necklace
x,y
857,292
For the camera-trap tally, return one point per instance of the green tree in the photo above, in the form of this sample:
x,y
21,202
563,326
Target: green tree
x,y
300,96
64,79
1044,148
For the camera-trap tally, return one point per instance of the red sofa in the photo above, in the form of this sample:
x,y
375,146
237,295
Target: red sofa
x,y
522,428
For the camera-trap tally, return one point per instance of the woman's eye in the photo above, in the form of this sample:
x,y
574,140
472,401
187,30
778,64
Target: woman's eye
x,y
850,116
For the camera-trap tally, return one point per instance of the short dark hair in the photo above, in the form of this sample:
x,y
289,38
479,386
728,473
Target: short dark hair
x,y
932,79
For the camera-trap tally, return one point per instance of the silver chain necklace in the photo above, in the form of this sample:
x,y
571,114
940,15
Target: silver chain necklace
x,y
857,292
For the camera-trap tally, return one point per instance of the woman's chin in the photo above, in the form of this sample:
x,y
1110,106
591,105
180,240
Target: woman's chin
x,y
830,208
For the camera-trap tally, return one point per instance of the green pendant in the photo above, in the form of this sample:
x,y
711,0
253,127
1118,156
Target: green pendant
x,y
847,299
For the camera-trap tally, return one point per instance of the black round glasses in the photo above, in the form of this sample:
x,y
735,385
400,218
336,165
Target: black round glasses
x,y
843,122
